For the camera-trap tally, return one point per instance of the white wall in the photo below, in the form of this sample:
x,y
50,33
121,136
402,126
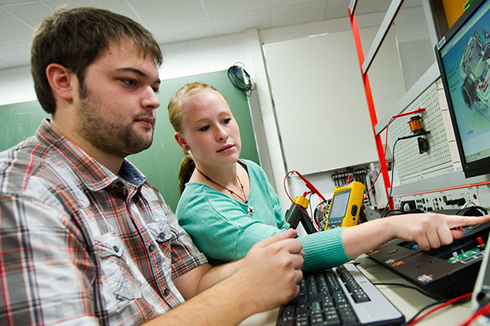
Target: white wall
x,y
16,85
205,55
322,181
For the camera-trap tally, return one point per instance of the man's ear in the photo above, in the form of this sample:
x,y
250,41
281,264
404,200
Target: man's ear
x,y
62,81
181,141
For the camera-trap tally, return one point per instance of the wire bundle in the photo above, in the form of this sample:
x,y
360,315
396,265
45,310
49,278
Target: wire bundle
x,y
239,77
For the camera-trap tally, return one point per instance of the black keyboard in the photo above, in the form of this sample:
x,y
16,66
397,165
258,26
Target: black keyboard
x,y
339,296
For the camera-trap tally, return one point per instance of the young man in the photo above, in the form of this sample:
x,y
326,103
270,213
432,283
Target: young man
x,y
84,239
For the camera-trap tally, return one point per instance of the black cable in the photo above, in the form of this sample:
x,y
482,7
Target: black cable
x,y
408,286
421,311
392,176
393,165
417,289
239,77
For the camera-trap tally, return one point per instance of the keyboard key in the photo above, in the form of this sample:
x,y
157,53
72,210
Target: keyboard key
x,y
331,319
360,296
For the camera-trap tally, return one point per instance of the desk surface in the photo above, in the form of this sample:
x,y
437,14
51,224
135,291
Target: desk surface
x,y
408,301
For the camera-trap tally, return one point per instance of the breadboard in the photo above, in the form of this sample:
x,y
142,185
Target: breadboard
x,y
409,164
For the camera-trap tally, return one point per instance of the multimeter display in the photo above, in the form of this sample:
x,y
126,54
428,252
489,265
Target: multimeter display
x,y
339,205
345,206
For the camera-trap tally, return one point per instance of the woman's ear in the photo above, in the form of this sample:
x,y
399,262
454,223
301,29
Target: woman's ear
x,y
181,141
61,80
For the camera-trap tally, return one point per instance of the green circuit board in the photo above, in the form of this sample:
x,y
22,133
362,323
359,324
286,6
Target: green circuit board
x,y
462,255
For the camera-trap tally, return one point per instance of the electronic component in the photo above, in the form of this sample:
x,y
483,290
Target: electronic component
x,y
296,213
345,206
446,272
415,124
481,291
416,128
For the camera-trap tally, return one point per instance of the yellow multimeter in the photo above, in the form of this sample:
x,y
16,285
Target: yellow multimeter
x,y
345,206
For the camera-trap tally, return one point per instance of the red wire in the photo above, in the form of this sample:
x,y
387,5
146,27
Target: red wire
x,y
480,312
292,201
319,213
351,175
447,303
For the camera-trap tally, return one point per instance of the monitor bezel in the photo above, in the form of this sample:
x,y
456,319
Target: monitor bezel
x,y
480,166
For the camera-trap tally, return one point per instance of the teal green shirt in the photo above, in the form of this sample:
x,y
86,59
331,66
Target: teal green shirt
x,y
224,231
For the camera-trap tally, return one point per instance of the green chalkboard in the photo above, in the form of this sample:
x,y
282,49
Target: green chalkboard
x,y
19,121
160,163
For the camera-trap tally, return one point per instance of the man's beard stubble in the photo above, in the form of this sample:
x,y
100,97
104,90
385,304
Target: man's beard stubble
x,y
107,135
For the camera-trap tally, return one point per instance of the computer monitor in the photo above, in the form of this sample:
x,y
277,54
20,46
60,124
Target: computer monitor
x,y
463,57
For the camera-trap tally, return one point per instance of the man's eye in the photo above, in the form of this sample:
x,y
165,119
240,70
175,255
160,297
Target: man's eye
x,y
130,82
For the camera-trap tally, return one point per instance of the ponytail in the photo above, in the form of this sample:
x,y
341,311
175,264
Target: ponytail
x,y
187,167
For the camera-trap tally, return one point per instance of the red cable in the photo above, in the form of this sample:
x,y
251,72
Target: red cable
x,y
480,312
447,303
419,110
351,175
299,207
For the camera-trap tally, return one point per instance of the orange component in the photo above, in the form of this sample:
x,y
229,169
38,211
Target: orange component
x,y
415,123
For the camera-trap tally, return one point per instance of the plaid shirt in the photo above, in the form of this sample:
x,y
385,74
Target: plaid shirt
x,y
81,245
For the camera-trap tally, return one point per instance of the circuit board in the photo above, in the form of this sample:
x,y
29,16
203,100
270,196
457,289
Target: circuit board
x,y
457,257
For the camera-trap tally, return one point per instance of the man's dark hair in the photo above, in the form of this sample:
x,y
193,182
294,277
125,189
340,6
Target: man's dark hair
x,y
75,38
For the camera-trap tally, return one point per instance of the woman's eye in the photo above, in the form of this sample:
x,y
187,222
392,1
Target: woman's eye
x,y
227,120
204,128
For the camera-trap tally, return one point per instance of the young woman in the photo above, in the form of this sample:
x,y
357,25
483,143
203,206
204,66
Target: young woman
x,y
227,204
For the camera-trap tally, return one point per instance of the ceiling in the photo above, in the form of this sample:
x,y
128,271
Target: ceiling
x,y
173,20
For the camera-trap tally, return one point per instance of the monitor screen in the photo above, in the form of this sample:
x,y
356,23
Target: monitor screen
x,y
463,57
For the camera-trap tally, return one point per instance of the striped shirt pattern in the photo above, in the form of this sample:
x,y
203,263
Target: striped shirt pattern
x,y
80,245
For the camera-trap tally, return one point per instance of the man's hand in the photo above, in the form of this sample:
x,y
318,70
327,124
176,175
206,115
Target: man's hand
x,y
266,278
271,270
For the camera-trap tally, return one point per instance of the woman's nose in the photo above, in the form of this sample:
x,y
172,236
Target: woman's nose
x,y
221,134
